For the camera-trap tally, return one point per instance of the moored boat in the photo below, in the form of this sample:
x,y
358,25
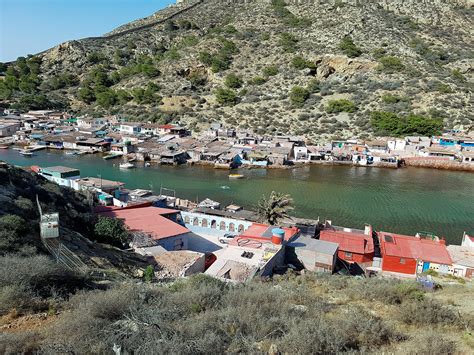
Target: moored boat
x,y
126,166
235,176
26,153
3,146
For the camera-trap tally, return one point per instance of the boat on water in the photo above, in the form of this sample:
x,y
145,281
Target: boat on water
x,y
147,164
235,176
126,166
26,153
71,153
112,156
3,146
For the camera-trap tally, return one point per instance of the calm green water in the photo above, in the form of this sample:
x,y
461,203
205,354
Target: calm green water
x,y
404,200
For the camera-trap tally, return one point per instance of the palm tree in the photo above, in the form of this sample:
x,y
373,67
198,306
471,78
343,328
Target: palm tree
x,y
274,208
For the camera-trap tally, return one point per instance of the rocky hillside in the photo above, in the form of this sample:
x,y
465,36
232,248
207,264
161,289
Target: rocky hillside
x,y
318,68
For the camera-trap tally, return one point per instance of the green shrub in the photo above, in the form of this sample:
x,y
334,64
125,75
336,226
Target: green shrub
x,y
271,70
427,312
393,99
258,80
298,96
149,274
348,47
341,105
388,123
289,19
300,63
314,86
457,75
233,81
288,42
111,231
390,64
226,96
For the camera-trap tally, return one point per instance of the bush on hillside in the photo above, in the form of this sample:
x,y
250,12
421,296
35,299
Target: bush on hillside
x,y
233,81
288,42
390,64
30,284
226,97
388,123
341,105
111,231
348,47
298,96
300,63
271,70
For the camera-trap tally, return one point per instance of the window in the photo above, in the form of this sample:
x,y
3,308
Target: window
x,y
222,226
231,227
204,223
241,228
348,255
213,224
186,219
195,221
402,261
388,238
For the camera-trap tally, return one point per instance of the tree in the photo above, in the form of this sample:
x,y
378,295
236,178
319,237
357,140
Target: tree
x,y
86,94
111,231
274,208
106,98
233,81
298,96
349,48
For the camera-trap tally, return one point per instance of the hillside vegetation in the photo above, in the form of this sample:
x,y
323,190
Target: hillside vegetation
x,y
275,67
311,314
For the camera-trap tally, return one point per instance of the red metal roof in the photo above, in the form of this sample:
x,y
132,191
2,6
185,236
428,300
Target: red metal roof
x,y
405,246
166,126
348,241
257,230
148,220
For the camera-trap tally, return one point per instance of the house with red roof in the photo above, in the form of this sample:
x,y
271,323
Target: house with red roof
x,y
152,226
354,246
264,233
409,255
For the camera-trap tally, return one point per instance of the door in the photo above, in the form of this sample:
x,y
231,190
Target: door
x,y
426,266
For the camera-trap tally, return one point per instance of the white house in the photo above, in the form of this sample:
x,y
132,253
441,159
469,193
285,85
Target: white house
x,y
396,144
130,128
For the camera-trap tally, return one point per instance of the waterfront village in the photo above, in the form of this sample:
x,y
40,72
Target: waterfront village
x,y
224,147
182,237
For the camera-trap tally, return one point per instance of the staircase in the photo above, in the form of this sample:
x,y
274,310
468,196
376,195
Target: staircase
x,y
63,255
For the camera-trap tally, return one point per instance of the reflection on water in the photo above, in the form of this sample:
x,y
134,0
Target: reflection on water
x,y
403,200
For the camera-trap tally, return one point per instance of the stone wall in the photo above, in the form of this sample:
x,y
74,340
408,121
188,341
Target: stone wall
x,y
438,163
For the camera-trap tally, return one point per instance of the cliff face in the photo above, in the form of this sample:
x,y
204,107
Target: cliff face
x,y
397,56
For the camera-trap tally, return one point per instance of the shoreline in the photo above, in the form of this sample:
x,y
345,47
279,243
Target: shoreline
x,y
413,162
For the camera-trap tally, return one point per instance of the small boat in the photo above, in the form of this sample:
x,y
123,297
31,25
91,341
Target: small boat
x,y
3,146
235,176
111,156
26,153
71,153
147,164
126,166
